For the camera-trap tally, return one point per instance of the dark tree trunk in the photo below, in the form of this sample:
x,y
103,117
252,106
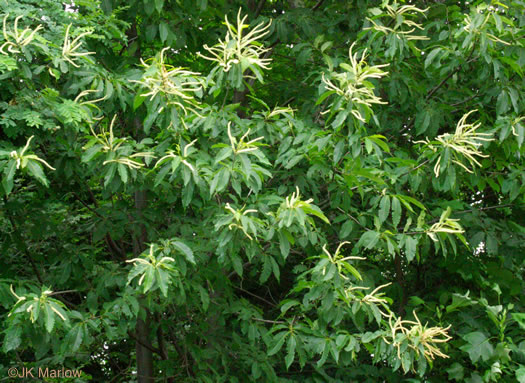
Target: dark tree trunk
x,y
144,355
142,329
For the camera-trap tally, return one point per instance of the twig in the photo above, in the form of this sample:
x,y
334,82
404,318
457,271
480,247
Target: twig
x,y
353,218
316,6
151,348
63,292
255,296
268,321
414,168
489,208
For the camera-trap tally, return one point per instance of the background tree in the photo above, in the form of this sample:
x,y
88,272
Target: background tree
x,y
263,191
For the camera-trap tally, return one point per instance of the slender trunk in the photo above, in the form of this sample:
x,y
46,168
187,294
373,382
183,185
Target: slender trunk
x,y
142,329
144,354
401,281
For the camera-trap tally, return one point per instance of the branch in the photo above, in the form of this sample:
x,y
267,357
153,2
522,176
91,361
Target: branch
x,y
353,218
259,8
151,348
489,208
268,321
255,296
414,168
22,244
63,292
437,87
400,276
86,205
113,247
316,6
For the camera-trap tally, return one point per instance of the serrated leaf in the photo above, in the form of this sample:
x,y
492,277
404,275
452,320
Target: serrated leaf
x,y
184,249
91,152
384,208
49,318
346,229
267,269
123,173
205,298
288,304
290,348
36,170
137,101
12,338
278,342
368,239
431,56
478,346
75,337
161,174
314,210
162,279
410,247
396,212
237,264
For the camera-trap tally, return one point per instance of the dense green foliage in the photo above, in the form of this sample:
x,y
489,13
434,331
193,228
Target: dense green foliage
x,y
332,194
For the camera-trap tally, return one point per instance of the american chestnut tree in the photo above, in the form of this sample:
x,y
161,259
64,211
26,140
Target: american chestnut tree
x,y
263,190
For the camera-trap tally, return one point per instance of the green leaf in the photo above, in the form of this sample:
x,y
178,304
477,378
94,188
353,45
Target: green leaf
x,y
184,249
75,337
431,56
278,342
149,279
368,239
520,374
353,271
520,319
36,170
267,269
502,103
456,372
346,229
416,301
314,210
158,5
324,96
410,247
91,152
396,212
137,101
378,140
163,31
205,298
370,336
162,174
384,208
123,172
290,347
284,245
13,338
162,279
49,318
478,346
287,304
275,268
110,173
237,264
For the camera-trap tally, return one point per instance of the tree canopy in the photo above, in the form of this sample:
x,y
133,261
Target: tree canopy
x,y
263,190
